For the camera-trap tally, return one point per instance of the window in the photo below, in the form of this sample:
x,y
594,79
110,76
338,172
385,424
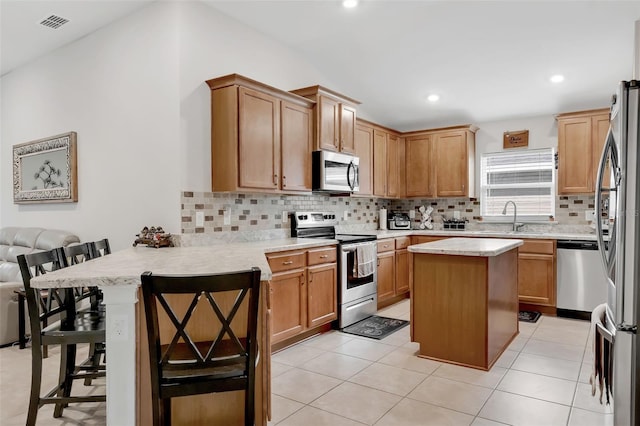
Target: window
x,y
527,178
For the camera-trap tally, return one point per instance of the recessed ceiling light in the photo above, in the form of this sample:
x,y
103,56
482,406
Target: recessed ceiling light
x,y
558,78
433,98
349,4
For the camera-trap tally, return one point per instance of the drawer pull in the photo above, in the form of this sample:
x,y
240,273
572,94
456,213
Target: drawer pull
x,y
385,246
288,262
324,256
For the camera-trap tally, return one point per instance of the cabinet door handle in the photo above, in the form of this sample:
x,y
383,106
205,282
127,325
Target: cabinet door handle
x,y
287,262
284,181
275,180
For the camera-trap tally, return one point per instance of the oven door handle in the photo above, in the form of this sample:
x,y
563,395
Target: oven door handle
x,y
357,305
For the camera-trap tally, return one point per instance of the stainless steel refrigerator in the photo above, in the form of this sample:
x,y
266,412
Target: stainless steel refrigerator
x,y
618,199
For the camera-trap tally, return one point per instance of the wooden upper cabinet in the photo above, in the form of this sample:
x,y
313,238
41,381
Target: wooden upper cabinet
x,y
418,166
347,129
334,119
581,137
393,167
452,164
364,151
297,137
441,162
261,137
328,124
259,141
380,171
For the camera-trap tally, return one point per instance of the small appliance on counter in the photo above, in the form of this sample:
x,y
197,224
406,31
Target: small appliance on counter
x,y
455,224
399,220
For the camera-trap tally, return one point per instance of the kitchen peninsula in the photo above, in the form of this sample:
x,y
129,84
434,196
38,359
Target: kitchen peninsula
x,y
118,276
464,300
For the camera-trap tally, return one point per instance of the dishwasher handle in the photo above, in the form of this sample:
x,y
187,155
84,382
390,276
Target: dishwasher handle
x,y
577,245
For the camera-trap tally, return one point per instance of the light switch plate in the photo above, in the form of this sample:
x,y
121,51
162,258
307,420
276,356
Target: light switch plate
x,y
589,215
285,217
199,219
227,217
346,215
412,214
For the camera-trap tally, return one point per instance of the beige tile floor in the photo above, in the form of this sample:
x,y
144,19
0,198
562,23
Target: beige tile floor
x,y
340,379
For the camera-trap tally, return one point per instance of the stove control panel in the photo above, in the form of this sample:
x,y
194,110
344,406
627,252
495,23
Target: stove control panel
x,y
314,219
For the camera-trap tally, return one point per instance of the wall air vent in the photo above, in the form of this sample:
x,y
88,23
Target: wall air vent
x,y
54,21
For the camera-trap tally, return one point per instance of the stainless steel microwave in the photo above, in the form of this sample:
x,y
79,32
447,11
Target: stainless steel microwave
x,y
335,172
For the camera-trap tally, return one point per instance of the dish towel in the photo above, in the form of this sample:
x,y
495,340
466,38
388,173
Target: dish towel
x,y
365,261
602,370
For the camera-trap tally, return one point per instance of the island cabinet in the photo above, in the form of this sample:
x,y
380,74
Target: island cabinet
x,y
393,270
303,292
261,137
537,275
464,301
581,138
441,162
334,119
364,151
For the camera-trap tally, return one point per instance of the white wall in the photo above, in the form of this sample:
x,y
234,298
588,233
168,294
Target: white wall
x,y
118,89
212,45
543,133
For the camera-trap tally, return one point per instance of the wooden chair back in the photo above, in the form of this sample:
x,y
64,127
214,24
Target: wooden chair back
x,y
184,364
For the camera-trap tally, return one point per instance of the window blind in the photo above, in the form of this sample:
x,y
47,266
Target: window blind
x,y
524,177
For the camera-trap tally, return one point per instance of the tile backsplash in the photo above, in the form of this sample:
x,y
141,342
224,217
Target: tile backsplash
x,y
260,216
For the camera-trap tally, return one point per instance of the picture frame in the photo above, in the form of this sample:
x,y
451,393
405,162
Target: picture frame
x,y
45,170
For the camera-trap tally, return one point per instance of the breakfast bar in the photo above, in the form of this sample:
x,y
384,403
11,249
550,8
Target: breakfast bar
x,y
464,300
118,276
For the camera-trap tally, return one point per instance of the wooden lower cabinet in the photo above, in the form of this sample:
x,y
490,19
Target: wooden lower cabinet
x,y
537,273
303,291
402,271
386,275
322,294
393,270
288,304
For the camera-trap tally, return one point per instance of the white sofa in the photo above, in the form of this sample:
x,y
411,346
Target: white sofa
x,y
15,241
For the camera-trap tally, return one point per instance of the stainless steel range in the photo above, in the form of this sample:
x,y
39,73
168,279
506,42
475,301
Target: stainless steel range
x,y
357,264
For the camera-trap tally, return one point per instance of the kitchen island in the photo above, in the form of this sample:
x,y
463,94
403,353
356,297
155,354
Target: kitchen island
x,y
464,299
118,276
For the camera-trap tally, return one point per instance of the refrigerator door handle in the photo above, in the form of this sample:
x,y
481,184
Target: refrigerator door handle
x,y
607,260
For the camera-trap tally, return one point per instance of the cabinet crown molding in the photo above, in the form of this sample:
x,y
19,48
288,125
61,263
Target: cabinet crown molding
x,y
240,80
582,113
320,90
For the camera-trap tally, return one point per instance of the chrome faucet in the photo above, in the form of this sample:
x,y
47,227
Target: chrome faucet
x,y
516,226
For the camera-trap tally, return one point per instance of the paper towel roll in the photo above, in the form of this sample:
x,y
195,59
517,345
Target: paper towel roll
x,y
382,220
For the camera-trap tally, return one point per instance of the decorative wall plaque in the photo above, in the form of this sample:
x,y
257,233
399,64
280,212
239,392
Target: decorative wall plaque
x,y
44,171
516,139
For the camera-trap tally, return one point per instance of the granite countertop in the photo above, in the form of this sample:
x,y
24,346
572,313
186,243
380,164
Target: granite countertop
x,y
382,234
124,267
483,247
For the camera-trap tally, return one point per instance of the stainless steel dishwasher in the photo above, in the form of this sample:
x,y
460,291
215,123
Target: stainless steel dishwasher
x,y
580,278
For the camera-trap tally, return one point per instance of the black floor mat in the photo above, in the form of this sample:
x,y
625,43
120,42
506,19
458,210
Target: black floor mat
x,y
375,327
528,316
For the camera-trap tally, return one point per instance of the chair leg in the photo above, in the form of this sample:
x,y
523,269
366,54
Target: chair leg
x,y
162,416
94,356
22,334
36,383
67,368
249,403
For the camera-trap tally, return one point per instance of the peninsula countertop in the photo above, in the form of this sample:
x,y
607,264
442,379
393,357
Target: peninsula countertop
x,y
482,247
124,267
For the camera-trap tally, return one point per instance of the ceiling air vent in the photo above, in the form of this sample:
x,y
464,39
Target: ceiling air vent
x,y
54,21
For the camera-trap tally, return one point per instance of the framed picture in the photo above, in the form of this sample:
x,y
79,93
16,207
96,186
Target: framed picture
x,y
45,171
